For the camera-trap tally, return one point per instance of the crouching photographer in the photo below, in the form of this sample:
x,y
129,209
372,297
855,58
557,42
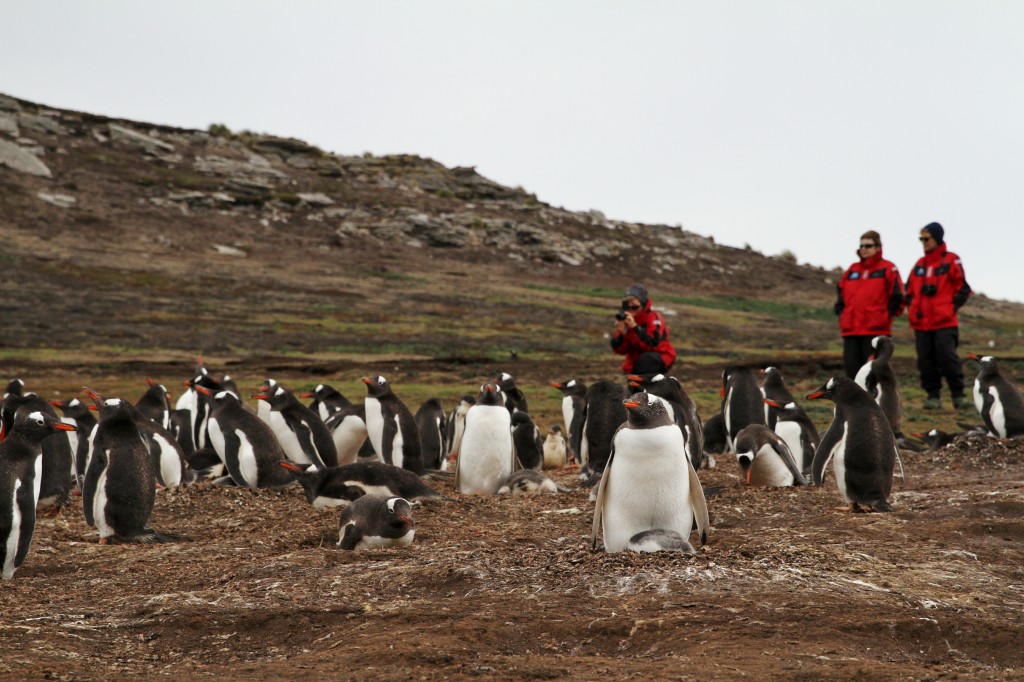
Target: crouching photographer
x,y
641,335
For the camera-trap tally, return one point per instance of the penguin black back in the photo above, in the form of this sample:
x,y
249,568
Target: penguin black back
x,y
603,414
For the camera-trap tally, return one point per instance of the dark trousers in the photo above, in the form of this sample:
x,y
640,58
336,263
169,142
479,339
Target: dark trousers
x,y
856,351
649,363
937,358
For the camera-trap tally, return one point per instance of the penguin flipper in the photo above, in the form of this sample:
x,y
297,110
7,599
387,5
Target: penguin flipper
x,y
232,446
305,437
783,451
823,453
601,491
351,537
699,504
25,500
97,463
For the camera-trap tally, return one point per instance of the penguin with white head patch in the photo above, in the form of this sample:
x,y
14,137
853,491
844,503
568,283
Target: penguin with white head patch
x,y
80,416
326,400
794,426
341,485
685,412
391,427
515,401
245,443
373,522
15,388
998,401
742,402
488,456
860,444
302,434
348,429
155,404
21,471
456,426
774,388
877,377
649,483
574,399
58,458
765,458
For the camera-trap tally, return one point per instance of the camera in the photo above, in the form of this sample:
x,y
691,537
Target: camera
x,y
928,289
620,316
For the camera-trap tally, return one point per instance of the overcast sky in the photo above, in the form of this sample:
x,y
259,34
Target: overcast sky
x,y
783,125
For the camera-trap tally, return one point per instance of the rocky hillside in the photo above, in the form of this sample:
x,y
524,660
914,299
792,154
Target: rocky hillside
x,y
121,237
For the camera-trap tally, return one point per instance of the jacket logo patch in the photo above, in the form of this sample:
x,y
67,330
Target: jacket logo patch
x,y
854,275
877,274
919,271
942,269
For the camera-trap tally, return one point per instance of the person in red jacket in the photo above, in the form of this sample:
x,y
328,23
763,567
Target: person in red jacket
x,y
936,290
868,296
642,335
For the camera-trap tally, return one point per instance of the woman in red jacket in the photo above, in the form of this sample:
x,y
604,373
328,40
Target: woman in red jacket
x,y
642,335
936,289
868,296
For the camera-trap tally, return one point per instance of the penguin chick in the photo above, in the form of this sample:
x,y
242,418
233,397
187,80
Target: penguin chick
x,y
554,448
529,482
374,521
660,540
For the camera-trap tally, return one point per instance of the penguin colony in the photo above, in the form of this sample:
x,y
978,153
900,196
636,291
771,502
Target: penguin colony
x,y
639,442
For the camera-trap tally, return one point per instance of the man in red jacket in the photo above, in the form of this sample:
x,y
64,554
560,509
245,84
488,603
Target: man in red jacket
x,y
869,294
642,335
936,290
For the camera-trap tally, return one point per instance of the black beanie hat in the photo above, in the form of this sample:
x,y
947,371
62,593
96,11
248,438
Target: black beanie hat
x,y
936,231
639,292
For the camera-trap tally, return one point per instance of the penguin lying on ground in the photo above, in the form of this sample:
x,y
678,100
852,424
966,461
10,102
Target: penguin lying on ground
x,y
340,486
765,458
660,540
374,521
529,482
998,401
21,470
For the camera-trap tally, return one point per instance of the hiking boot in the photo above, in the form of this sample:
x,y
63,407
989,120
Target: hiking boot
x,y
962,403
932,404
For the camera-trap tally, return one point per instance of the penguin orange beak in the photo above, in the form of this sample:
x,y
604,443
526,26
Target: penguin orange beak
x,y
187,382
407,520
307,394
202,389
918,435
872,358
555,384
57,403
94,408
772,403
291,467
633,377
749,471
150,381
722,394
974,356
366,380
61,426
815,395
259,396
92,394
761,372
489,388
630,404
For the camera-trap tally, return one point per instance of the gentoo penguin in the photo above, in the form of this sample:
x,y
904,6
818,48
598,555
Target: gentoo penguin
x,y
245,443
57,479
716,440
430,421
529,482
15,388
119,488
878,379
794,426
660,540
80,416
515,401
574,399
21,471
765,458
998,401
554,448
303,435
374,521
742,402
860,444
391,426
936,439
326,400
685,413
774,388
488,455
602,415
648,483
527,442
155,404
341,485
348,430
456,426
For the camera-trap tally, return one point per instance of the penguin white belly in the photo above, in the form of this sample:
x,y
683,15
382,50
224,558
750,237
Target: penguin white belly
x,y
486,458
996,413
554,452
584,452
649,486
73,442
397,453
378,542
99,506
567,413
730,442
37,484
374,424
348,437
839,462
979,403
862,375
881,393
791,433
187,401
217,439
247,460
288,440
170,463
13,536
768,469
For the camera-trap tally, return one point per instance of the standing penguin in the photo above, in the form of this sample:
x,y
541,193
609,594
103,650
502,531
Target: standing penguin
x,y
456,427
515,401
527,442
488,455
348,429
155,404
373,521
119,490
15,389
602,415
303,435
794,426
574,399
391,426
80,416
430,421
741,402
57,478
326,400
685,413
878,379
21,471
649,483
765,458
998,401
774,388
860,444
245,443
554,448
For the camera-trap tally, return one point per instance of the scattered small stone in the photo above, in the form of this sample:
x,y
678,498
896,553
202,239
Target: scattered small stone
x,y
61,200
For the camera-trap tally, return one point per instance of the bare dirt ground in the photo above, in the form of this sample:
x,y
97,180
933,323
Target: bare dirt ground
x,y
508,588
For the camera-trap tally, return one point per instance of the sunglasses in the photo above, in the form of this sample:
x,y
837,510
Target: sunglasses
x,y
925,239
633,307
868,246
